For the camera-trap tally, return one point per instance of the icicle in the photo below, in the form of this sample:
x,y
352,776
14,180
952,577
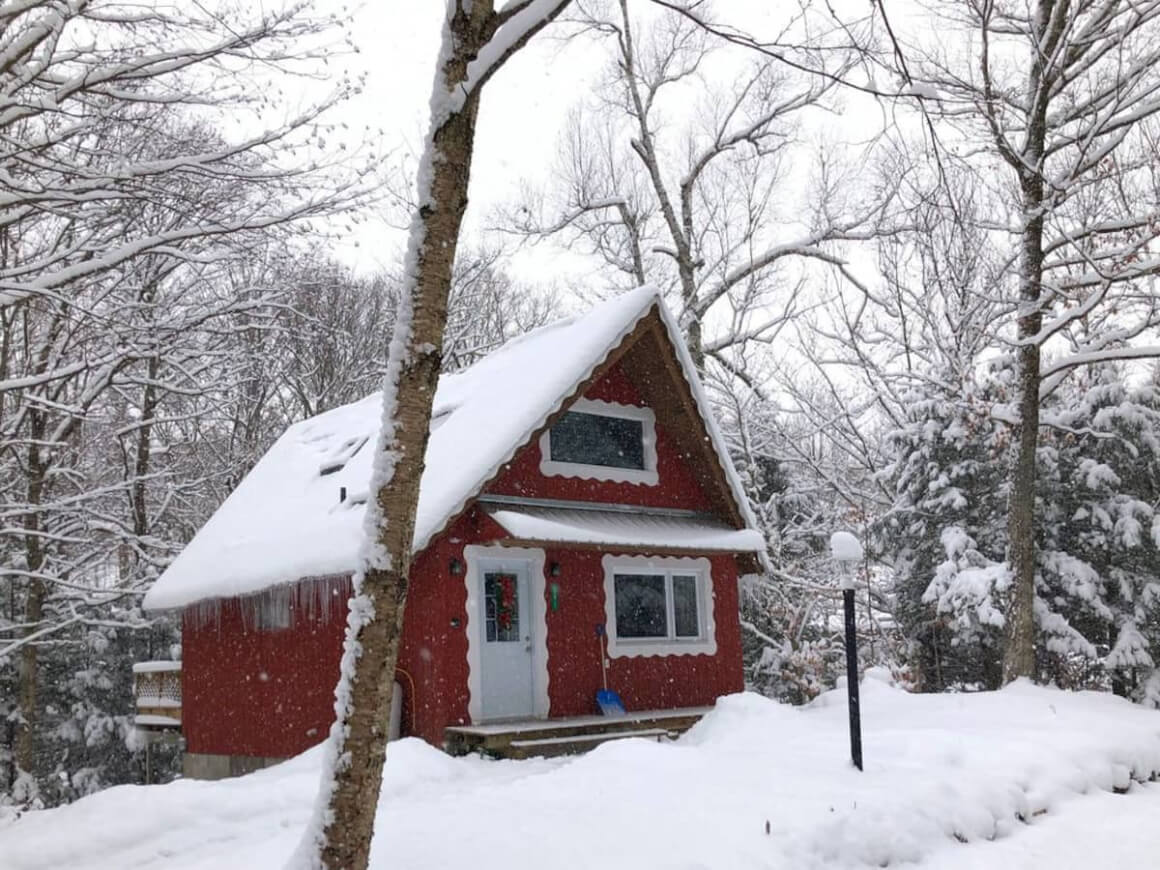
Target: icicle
x,y
206,614
313,600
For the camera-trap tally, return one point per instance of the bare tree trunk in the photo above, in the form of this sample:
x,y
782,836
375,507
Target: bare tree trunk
x,y
1019,645
359,737
29,674
138,492
29,682
1019,641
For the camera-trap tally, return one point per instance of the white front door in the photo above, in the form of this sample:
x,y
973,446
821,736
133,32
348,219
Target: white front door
x,y
506,622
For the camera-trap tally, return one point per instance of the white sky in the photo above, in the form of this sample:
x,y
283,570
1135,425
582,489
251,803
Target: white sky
x,y
522,117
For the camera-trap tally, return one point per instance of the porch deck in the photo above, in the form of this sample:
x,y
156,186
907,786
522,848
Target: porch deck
x,y
527,738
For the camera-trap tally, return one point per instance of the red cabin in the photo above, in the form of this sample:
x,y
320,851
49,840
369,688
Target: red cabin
x,y
578,509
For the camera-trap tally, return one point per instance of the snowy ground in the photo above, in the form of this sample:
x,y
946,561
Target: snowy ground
x,y
939,770
1102,830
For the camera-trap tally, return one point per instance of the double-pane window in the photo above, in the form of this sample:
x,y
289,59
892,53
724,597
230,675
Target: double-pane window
x,y
657,606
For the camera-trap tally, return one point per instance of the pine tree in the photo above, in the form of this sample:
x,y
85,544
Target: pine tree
x,y
945,536
1099,563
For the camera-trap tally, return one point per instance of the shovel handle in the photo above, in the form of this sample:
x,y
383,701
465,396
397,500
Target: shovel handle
x,y
600,635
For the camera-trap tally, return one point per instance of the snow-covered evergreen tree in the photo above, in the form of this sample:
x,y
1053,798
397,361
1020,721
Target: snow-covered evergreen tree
x,y
945,536
1098,562
1098,610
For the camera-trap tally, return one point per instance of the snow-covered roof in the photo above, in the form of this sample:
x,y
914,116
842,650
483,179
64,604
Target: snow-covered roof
x,y
285,520
626,529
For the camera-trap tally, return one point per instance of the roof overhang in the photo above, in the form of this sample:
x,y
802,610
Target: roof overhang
x,y
637,530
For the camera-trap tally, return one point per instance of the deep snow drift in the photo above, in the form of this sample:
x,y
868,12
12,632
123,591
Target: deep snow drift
x,y
939,769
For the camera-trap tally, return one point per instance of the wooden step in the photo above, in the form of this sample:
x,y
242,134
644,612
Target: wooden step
x,y
547,747
498,739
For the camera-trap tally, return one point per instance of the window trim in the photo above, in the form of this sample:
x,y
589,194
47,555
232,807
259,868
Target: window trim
x,y
647,476
699,567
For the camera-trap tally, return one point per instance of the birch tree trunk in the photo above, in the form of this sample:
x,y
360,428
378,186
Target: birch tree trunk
x,y
477,40
384,586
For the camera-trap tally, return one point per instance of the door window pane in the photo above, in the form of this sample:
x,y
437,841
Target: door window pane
x,y
640,605
501,607
686,622
596,439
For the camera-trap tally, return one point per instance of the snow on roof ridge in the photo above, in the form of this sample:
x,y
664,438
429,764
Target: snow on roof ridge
x,y
496,356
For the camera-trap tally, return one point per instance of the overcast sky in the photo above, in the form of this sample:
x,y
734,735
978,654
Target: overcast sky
x,y
522,117
523,112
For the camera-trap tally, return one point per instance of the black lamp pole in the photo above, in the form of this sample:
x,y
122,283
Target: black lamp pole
x,y
847,550
852,675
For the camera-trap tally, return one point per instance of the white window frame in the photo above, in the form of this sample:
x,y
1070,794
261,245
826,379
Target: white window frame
x,y
647,476
705,644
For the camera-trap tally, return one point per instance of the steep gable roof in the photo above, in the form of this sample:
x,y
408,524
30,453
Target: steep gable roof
x,y
285,520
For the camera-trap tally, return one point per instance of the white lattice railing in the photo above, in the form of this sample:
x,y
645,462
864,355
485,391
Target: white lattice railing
x,y
157,686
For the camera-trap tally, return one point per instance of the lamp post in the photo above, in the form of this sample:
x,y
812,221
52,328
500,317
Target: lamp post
x,y
846,550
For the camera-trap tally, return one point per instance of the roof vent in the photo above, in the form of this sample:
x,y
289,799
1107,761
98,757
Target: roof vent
x,y
340,457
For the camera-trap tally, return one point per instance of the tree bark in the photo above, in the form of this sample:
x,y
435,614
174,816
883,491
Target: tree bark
x,y
1019,628
1019,645
139,492
35,595
26,755
376,623
357,782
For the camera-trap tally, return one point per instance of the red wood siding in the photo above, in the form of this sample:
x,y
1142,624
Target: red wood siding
x,y
434,652
272,693
676,486
643,682
439,661
263,693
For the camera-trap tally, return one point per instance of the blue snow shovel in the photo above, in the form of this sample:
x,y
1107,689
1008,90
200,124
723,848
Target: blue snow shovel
x,y
607,700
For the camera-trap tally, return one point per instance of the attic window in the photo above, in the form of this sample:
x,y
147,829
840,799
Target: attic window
x,y
602,441
337,460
